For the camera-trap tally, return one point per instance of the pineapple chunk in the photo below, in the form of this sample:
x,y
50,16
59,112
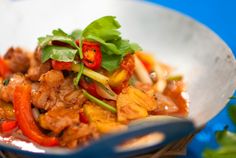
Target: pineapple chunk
x,y
133,104
104,120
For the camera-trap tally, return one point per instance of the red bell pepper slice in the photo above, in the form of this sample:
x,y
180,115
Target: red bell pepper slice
x,y
24,117
8,126
147,60
92,55
4,69
89,86
60,65
83,118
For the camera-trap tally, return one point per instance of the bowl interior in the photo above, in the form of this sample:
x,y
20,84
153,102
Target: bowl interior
x,y
200,55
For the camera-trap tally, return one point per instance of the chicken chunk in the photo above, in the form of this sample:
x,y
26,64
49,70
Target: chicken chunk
x,y
17,60
7,91
58,119
80,135
54,90
45,93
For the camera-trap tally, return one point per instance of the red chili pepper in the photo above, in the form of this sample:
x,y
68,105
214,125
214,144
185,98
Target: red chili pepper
x,y
4,70
60,65
89,86
83,118
7,126
92,55
24,117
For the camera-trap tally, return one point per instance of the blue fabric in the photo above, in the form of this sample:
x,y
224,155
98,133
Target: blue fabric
x,y
220,16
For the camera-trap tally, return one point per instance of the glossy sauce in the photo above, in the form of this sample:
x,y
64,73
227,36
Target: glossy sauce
x,y
176,91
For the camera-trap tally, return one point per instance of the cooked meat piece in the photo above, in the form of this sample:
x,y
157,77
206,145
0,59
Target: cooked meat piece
x,y
17,60
45,93
104,120
53,91
165,105
38,54
132,105
52,78
79,135
7,91
6,110
58,119
37,69
71,95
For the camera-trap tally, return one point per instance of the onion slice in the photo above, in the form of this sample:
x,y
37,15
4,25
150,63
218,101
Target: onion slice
x,y
141,71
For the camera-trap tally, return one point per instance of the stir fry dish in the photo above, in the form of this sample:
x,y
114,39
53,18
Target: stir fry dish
x,y
75,88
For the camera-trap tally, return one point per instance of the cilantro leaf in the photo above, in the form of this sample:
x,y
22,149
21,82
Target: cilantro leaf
x,y
76,34
58,53
110,47
105,28
135,47
43,41
111,62
59,32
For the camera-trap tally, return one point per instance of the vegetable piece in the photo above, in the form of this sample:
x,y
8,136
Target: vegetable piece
x,y
83,118
58,53
175,78
105,92
4,69
24,117
147,60
141,71
8,126
92,56
76,34
99,102
105,31
89,86
91,74
132,105
60,65
118,77
76,80
104,120
58,35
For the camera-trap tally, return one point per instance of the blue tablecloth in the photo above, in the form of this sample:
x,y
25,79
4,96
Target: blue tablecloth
x,y
220,16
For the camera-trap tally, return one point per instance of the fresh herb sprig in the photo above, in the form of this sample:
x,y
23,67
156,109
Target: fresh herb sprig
x,y
103,30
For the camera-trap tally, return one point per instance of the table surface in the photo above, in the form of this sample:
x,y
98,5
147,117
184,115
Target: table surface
x,y
219,16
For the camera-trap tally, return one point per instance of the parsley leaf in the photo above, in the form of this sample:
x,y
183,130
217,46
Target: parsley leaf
x,y
58,53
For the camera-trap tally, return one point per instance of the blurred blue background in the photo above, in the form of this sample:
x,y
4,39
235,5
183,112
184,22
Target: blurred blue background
x,y
219,16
